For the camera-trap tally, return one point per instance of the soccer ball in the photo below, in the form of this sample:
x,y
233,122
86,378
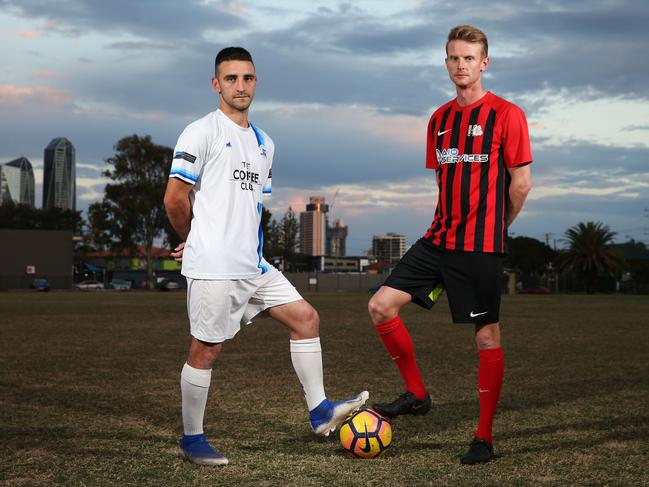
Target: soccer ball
x,y
365,434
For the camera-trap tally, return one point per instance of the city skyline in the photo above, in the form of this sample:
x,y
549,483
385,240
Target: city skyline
x,y
345,91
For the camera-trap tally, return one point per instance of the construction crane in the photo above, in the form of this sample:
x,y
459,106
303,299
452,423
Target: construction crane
x,y
331,206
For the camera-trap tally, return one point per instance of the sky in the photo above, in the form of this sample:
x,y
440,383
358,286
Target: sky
x,y
345,91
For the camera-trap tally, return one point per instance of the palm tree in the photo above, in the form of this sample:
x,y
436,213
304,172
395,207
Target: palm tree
x,y
590,253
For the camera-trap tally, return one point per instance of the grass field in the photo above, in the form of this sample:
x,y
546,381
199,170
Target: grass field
x,y
89,395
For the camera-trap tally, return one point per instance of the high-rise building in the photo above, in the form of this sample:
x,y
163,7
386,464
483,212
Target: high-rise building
x,y
313,227
389,247
17,182
338,238
59,175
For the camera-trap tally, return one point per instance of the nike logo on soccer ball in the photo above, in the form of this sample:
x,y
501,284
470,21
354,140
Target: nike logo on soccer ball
x,y
473,315
367,448
442,133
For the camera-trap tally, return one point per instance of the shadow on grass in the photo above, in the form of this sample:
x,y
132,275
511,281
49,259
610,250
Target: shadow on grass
x,y
590,433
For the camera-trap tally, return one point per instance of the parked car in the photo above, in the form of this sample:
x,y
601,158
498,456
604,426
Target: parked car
x,y
88,285
40,284
120,284
535,290
168,285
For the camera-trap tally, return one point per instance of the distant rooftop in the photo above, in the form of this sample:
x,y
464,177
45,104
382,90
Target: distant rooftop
x,y
57,142
20,162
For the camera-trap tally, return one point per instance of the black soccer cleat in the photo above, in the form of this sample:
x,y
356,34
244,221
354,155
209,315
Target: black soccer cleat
x,y
480,451
406,403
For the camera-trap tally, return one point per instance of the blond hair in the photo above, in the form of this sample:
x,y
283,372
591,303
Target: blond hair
x,y
468,33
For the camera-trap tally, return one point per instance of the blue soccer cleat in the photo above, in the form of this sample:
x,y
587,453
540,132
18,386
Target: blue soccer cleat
x,y
327,416
196,449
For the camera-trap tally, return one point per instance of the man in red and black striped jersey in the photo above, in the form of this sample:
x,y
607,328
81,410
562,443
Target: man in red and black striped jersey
x,y
478,144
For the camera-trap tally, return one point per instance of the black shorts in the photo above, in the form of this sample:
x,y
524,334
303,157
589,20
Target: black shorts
x,y
472,281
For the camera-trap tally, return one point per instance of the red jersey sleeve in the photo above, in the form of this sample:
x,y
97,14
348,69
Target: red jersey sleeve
x,y
431,153
516,139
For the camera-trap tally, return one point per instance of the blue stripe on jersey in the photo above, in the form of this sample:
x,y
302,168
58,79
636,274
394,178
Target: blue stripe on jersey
x,y
183,174
260,237
259,135
267,190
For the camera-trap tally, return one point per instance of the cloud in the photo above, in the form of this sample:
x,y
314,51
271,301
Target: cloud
x,y
381,40
236,8
597,162
18,95
145,18
345,91
28,34
49,75
318,145
90,190
139,46
635,127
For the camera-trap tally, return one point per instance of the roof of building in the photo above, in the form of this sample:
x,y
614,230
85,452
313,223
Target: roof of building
x,y
55,142
379,265
21,162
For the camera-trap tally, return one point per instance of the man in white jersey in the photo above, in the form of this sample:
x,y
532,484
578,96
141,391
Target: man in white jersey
x,y
221,167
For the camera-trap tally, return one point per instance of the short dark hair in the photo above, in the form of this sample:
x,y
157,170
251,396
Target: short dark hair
x,y
231,54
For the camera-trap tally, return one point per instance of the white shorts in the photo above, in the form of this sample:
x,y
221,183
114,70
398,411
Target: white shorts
x,y
217,308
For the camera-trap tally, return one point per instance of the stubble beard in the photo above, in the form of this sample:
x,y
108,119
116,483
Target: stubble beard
x,y
238,104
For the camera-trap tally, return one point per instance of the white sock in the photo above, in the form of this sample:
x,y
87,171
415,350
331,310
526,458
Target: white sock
x,y
194,386
306,356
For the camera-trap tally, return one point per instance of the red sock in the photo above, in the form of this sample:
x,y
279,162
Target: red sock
x,y
490,380
398,343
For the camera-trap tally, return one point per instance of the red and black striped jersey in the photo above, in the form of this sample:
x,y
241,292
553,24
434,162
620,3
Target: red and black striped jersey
x,y
470,148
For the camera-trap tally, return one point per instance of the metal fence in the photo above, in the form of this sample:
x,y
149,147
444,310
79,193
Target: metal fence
x,y
332,282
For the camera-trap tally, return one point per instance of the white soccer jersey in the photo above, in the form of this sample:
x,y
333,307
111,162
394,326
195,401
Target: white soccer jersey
x,y
230,168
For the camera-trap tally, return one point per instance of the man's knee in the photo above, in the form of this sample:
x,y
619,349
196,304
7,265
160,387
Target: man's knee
x,y
380,309
488,337
311,318
306,321
202,355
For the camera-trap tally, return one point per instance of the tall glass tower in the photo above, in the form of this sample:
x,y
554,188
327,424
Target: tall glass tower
x,y
59,179
17,182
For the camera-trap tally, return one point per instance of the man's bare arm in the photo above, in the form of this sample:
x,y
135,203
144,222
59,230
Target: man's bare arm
x,y
519,186
179,210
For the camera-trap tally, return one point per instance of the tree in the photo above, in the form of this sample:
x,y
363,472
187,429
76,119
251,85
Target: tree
x,y
273,240
590,253
529,255
132,211
26,217
636,255
266,222
279,238
288,231
633,249
272,235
